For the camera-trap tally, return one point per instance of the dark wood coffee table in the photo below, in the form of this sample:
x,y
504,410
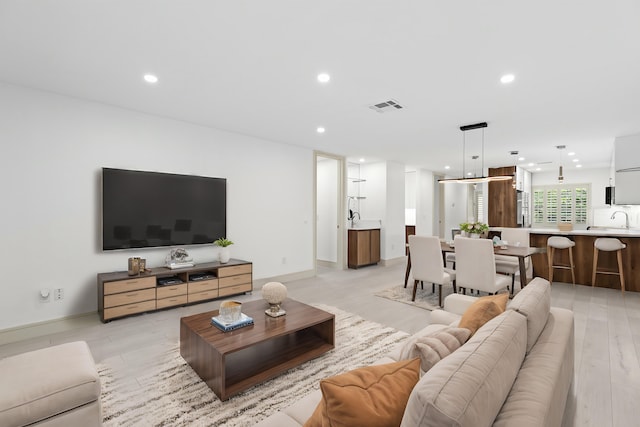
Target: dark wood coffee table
x,y
230,362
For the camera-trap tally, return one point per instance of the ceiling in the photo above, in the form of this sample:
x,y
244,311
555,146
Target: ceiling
x,y
250,67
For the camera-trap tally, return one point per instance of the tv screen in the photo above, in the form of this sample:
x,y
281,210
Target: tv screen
x,y
151,209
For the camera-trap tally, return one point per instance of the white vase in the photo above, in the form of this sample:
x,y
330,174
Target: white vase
x,y
224,255
475,235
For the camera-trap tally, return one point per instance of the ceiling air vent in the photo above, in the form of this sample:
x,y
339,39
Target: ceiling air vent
x,y
386,106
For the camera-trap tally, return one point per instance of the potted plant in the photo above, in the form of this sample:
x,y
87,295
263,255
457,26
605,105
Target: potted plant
x,y
474,229
224,244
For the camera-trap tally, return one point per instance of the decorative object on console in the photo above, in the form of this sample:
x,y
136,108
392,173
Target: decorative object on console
x,y
178,258
274,293
133,266
224,243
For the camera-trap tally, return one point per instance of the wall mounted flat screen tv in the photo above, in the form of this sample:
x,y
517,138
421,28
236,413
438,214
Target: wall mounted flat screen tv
x,y
151,209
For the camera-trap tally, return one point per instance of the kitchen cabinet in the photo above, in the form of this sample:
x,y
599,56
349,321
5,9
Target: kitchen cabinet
x,y
627,166
363,247
510,201
502,199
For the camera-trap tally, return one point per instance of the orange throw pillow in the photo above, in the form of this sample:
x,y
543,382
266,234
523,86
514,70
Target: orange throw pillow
x,y
373,396
483,310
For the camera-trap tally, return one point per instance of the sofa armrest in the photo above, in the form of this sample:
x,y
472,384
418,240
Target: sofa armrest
x,y
458,304
442,317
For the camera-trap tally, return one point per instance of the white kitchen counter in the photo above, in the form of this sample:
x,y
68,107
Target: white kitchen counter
x,y
594,231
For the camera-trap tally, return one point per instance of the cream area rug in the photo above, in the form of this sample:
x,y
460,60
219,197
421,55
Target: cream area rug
x,y
169,393
424,297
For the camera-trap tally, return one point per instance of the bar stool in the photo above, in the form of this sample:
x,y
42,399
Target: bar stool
x,y
608,244
559,242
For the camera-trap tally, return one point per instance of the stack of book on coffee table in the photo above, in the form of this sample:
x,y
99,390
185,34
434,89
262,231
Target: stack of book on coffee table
x,y
226,326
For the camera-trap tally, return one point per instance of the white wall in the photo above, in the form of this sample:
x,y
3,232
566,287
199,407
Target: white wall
x,y
455,206
327,206
425,203
393,244
385,198
53,149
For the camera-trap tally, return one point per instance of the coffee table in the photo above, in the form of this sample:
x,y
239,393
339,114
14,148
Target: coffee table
x,y
230,362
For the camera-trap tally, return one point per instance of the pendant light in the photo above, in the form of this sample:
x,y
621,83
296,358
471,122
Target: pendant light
x,y
560,176
474,179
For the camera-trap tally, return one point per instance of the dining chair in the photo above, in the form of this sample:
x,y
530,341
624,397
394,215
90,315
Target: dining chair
x,y
476,266
427,264
508,264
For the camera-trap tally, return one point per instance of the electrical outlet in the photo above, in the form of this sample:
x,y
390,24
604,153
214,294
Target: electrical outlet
x,y
45,295
284,260
58,294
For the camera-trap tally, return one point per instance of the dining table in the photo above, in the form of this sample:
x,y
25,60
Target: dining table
x,y
521,252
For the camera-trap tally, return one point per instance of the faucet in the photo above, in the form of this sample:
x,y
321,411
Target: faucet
x,y
626,216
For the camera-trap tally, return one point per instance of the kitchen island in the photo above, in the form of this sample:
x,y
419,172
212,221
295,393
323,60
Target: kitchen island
x,y
583,257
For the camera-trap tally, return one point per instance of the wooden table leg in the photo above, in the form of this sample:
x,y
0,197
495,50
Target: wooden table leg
x,y
523,272
406,274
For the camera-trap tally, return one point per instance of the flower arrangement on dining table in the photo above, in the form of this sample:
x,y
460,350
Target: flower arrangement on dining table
x,y
474,227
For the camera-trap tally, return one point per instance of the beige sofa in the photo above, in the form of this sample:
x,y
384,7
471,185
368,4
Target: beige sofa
x,y
516,370
56,386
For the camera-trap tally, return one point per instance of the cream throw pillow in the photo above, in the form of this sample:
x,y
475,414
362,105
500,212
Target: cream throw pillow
x,y
434,347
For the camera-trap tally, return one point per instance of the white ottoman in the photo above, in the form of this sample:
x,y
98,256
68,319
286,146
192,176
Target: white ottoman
x,y
55,386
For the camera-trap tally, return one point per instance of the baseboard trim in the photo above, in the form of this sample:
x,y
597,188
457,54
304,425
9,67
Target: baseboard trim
x,y
328,264
45,327
257,283
394,261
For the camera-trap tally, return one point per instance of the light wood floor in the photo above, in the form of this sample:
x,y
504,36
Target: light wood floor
x,y
606,389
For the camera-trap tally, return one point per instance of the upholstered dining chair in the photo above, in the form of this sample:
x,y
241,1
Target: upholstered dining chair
x,y
476,266
508,264
427,264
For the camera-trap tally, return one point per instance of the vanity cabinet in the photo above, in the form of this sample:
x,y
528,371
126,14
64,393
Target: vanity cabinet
x,y
363,247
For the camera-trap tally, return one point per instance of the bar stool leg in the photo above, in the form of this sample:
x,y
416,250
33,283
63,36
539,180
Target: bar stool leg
x,y
595,266
550,260
573,274
621,272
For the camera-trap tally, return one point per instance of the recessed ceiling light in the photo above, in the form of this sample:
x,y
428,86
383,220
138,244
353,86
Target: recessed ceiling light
x,y
571,154
578,166
362,160
447,167
320,129
538,169
575,160
150,78
530,164
324,77
521,159
468,173
507,78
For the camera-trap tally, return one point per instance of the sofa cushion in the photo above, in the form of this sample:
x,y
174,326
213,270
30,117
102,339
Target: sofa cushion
x,y
397,351
434,347
534,302
469,387
372,396
539,394
483,310
44,383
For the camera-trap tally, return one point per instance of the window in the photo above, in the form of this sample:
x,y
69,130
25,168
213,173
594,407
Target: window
x,y
561,203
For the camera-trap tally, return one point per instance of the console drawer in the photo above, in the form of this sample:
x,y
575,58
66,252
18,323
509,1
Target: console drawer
x,y
125,310
235,280
129,297
170,302
203,285
237,289
171,291
129,285
199,296
233,270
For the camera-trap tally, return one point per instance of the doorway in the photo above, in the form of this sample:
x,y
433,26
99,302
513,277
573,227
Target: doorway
x,y
329,233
